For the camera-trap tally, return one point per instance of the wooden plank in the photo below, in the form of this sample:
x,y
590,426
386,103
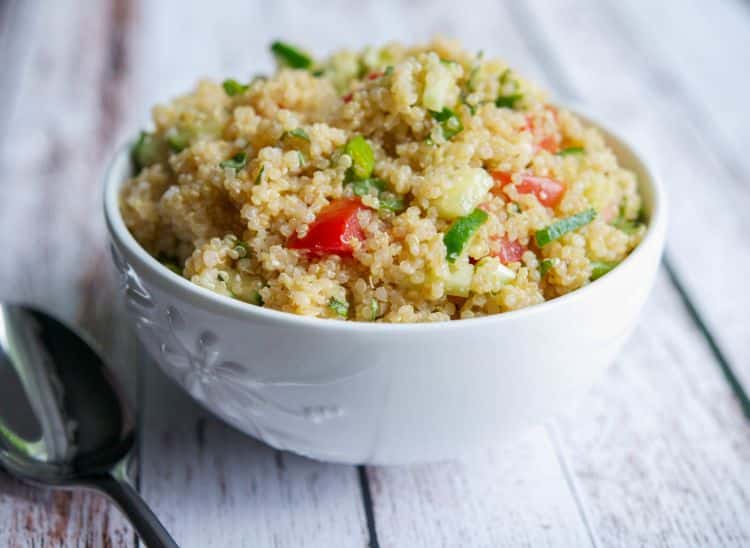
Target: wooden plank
x,y
213,486
62,107
707,228
514,495
659,450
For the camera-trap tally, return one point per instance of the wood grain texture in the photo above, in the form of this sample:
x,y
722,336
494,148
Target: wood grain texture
x,y
215,487
514,495
660,450
61,110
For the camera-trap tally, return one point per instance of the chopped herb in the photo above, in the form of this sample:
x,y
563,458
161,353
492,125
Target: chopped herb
x,y
301,158
546,265
391,202
388,200
365,187
514,207
145,151
461,231
242,248
299,133
177,141
508,100
363,158
318,72
557,229
233,87
465,101
289,56
222,277
256,298
448,62
374,309
259,176
341,308
571,151
600,268
388,70
449,123
237,162
429,142
628,227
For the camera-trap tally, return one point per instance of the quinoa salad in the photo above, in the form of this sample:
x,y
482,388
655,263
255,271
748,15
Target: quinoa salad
x,y
393,184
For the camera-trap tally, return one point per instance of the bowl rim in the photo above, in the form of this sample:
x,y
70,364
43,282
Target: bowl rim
x,y
227,306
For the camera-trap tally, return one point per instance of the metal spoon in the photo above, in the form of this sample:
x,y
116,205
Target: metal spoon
x,y
62,419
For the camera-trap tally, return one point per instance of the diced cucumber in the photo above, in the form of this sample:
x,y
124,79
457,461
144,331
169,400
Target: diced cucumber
x,y
458,282
440,89
490,275
465,188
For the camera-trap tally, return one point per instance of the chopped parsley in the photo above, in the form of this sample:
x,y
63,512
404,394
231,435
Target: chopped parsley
x,y
450,124
340,308
237,162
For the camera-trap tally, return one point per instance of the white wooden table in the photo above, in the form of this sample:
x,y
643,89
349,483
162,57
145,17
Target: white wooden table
x,y
657,455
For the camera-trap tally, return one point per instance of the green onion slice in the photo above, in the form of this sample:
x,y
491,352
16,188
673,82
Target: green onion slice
x,y
341,308
238,161
449,122
571,151
259,176
177,141
461,231
508,100
233,87
391,202
299,133
145,151
600,268
557,229
546,265
363,158
289,56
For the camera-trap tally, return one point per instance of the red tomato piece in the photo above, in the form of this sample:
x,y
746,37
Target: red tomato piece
x,y
550,143
548,191
374,75
332,230
509,251
348,97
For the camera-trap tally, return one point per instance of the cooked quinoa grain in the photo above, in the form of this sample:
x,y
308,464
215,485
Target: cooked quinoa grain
x,y
392,185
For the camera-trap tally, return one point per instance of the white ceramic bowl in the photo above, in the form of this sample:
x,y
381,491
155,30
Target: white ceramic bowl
x,y
383,393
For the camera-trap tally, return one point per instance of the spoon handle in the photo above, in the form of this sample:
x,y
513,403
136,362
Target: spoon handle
x,y
146,524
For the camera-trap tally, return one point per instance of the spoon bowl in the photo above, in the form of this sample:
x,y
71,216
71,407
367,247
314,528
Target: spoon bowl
x,y
63,421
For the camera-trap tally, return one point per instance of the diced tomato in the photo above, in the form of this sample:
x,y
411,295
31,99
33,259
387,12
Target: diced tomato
x,y
508,251
374,75
548,191
550,143
348,97
502,177
332,230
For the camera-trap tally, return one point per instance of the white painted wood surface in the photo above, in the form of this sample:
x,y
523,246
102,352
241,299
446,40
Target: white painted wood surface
x,y
657,455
